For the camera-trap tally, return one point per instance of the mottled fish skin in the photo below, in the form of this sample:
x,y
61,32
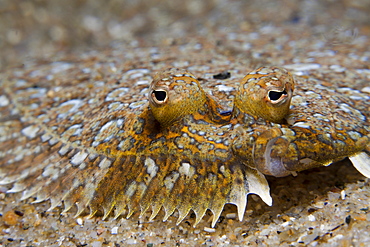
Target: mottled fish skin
x,y
119,155
265,93
184,162
91,138
323,125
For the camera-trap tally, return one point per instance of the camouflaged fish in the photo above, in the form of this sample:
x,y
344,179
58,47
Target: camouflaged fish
x,y
315,129
114,146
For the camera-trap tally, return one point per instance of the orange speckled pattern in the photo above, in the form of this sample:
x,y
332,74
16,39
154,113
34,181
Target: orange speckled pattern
x,y
94,124
322,125
95,140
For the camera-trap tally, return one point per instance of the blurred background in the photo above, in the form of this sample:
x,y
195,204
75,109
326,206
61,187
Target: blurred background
x,y
41,28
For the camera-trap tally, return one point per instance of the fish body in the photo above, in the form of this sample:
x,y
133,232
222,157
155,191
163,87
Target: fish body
x,y
122,139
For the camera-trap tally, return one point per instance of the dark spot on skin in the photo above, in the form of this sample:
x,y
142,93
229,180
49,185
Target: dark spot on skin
x,y
142,159
132,160
225,113
239,181
222,76
323,140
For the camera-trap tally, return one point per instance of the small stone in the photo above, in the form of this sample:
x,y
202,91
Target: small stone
x,y
96,244
222,76
80,221
231,216
366,90
348,219
311,217
10,218
208,229
114,230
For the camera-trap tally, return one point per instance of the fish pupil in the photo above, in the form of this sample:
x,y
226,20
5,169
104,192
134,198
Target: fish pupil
x,y
160,95
274,95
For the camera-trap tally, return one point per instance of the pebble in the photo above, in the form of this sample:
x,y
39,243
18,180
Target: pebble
x,y
303,66
231,216
10,218
114,230
208,229
80,221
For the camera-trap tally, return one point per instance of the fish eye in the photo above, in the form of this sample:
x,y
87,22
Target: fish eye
x,y
159,96
276,96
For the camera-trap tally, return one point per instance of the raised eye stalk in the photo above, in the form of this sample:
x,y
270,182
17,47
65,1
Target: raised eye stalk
x,y
175,93
266,93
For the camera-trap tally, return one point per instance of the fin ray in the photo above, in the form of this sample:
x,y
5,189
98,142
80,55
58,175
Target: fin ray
x,y
361,162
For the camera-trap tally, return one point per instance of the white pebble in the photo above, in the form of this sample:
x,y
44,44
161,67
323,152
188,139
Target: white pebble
x,y
142,82
311,218
303,66
96,244
285,224
224,88
319,204
4,100
114,230
231,216
366,90
337,68
131,241
207,229
80,221
264,232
